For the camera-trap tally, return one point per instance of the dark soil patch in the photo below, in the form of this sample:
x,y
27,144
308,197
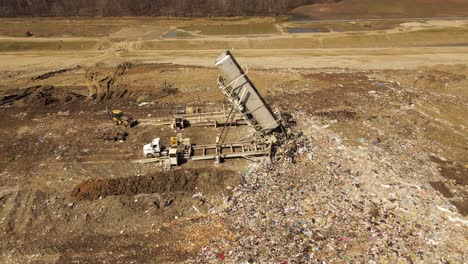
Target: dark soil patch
x,y
40,96
339,115
457,173
442,188
453,171
462,206
203,180
53,73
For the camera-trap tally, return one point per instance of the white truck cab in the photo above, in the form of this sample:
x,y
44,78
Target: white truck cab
x,y
153,149
156,150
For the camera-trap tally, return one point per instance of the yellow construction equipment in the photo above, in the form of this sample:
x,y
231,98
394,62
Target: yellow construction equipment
x,y
174,142
119,118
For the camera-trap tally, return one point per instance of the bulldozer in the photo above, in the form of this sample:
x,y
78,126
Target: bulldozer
x,y
120,119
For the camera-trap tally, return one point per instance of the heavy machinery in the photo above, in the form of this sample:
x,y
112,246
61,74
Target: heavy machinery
x,y
119,118
153,149
246,100
156,151
247,103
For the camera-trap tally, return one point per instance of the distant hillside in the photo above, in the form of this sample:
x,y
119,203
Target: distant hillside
x,y
181,8
384,9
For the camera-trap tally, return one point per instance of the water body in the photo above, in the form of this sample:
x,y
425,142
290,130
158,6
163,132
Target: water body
x,y
306,30
177,34
236,29
451,45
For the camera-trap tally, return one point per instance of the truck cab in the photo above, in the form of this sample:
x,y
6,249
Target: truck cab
x,y
153,149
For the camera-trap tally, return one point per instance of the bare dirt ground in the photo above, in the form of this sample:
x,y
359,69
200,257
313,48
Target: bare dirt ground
x,y
385,105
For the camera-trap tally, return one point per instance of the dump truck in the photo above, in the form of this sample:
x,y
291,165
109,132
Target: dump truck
x,y
155,150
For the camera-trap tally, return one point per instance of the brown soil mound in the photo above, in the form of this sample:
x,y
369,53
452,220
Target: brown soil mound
x,y
210,181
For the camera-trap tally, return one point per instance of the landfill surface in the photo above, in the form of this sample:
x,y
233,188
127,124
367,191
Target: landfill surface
x,y
323,201
373,168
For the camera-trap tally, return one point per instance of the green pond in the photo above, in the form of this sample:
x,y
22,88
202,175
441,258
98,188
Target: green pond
x,y
238,29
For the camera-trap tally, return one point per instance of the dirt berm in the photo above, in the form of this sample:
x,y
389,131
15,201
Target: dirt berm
x,y
171,181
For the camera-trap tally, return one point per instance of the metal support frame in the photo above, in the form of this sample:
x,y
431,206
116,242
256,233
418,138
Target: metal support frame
x,y
249,119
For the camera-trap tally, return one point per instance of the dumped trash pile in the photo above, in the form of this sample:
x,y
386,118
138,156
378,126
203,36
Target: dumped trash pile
x,y
322,200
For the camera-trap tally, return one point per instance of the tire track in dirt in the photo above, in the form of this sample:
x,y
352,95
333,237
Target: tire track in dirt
x,y
17,212
7,200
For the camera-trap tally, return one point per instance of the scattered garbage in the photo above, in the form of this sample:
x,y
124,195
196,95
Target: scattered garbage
x,y
322,200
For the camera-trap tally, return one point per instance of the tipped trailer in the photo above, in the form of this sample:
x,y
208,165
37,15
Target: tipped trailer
x,y
244,96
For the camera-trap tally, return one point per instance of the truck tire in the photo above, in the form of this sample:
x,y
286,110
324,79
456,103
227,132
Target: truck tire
x,y
149,156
